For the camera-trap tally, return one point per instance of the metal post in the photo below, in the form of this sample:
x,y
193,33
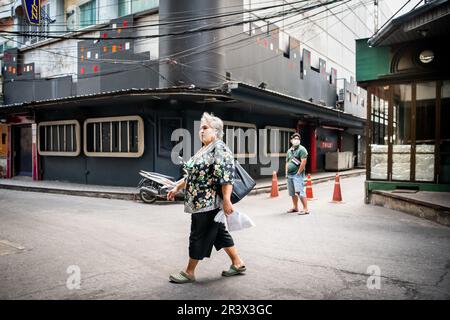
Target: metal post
x,y
375,16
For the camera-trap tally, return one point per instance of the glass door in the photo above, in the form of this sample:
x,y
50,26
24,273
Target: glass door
x,y
444,174
409,136
401,132
425,131
378,144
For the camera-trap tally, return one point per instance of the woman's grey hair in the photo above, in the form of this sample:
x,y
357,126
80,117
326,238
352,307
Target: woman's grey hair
x,y
214,122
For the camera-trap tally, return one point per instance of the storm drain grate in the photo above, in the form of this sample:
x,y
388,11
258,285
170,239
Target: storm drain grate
x,y
7,247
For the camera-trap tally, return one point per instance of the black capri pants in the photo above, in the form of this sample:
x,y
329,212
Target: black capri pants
x,y
206,233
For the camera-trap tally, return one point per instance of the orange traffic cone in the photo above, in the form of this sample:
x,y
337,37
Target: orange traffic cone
x,y
337,196
309,190
274,191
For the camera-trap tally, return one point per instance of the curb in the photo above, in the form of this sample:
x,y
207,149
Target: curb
x,y
425,210
92,194
418,202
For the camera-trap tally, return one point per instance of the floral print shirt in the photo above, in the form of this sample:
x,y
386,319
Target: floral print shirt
x,y
207,171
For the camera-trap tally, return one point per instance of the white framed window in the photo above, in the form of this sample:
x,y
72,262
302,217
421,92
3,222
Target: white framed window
x,y
281,137
59,138
114,137
241,138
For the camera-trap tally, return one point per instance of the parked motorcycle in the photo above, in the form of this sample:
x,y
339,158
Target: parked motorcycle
x,y
154,186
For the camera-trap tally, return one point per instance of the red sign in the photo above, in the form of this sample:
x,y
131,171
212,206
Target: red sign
x,y
19,119
326,144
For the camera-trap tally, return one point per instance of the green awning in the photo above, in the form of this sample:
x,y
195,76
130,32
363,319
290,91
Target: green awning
x,y
371,63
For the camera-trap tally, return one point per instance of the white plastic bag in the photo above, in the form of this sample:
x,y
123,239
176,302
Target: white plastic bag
x,y
238,221
220,217
235,222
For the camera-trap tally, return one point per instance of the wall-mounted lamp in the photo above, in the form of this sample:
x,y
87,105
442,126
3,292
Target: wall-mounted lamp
x,y
426,56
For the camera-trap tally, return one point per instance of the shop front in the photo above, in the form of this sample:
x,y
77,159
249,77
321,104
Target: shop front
x,y
409,139
18,149
404,69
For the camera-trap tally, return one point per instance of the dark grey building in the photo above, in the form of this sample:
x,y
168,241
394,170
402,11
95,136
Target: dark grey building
x,y
116,114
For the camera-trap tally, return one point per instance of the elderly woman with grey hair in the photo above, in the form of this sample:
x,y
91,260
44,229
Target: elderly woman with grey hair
x,y
211,168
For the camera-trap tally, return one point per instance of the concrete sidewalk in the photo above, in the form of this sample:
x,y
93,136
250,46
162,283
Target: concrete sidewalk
x,y
434,206
129,193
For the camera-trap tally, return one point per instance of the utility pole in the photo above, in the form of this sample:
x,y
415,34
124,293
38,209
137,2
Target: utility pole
x,y
375,16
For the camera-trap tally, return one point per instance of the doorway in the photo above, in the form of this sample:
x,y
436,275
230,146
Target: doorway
x,y
22,151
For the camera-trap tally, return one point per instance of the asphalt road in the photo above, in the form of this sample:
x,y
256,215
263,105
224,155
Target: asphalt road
x,y
126,250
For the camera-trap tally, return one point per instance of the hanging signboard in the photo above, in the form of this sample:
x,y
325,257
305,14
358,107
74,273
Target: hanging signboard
x,y
32,10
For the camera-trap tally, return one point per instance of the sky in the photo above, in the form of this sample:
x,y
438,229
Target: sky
x,y
394,5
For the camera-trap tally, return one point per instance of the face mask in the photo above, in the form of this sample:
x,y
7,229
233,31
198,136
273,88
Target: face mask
x,y
295,142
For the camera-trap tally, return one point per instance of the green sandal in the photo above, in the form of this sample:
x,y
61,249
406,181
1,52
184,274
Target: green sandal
x,y
181,277
234,271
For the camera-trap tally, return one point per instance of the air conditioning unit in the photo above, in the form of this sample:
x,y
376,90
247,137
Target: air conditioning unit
x,y
72,18
341,95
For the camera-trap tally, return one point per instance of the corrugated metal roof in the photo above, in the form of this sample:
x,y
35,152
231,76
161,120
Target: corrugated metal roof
x,y
133,91
314,106
429,20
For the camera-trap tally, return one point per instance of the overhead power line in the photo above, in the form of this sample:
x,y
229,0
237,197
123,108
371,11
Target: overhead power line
x,y
387,21
163,60
177,33
175,13
93,61
181,56
58,53
206,69
197,18
303,40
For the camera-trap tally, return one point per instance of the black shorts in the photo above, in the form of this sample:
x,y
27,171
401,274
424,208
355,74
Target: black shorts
x,y
206,233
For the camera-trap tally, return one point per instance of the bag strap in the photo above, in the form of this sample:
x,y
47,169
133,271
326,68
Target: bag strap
x,y
294,156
